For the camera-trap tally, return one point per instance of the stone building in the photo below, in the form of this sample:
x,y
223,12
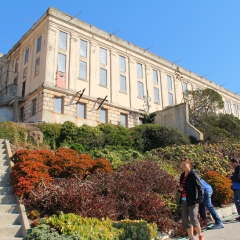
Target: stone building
x,y
65,69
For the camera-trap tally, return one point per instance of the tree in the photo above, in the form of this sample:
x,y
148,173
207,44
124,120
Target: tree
x,y
202,101
148,118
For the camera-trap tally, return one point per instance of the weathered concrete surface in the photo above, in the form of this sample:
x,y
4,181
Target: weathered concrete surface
x,y
177,117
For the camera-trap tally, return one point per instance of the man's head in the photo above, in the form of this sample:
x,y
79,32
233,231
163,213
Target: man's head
x,y
234,162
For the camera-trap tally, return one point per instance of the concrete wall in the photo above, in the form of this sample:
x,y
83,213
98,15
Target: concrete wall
x,y
177,117
6,113
8,93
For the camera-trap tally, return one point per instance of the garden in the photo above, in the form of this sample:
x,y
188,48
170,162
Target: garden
x,y
110,182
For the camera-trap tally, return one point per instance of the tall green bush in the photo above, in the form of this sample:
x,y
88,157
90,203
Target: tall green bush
x,y
116,135
149,136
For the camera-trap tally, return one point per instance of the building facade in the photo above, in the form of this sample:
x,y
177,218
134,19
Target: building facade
x,y
64,69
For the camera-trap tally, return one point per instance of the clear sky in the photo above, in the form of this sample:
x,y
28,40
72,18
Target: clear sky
x,y
202,35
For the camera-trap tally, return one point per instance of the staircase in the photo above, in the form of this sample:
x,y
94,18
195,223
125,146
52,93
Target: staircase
x,y
10,225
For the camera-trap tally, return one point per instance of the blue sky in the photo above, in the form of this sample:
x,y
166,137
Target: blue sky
x,y
203,34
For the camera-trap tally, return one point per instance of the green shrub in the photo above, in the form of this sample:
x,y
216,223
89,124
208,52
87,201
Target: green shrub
x,y
116,135
51,133
45,232
78,147
116,157
13,132
86,228
136,230
90,137
68,133
150,136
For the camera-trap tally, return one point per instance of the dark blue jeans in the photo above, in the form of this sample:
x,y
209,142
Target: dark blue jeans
x,y
237,200
207,203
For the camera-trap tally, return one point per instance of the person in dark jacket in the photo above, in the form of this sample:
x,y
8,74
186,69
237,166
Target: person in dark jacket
x,y
236,184
191,190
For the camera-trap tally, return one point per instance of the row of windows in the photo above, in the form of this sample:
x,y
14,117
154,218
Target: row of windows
x,y
58,107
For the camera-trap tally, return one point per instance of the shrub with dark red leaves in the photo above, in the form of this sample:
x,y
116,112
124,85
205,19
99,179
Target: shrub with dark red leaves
x,y
124,194
71,196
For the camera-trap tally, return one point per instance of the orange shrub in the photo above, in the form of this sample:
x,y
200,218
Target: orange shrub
x,y
33,167
221,185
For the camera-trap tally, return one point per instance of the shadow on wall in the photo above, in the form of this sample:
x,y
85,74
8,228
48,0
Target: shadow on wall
x,y
177,117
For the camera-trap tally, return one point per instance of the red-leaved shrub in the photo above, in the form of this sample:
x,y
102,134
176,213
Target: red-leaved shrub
x,y
33,168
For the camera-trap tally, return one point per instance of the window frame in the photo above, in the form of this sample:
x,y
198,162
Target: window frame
x,y
62,104
39,44
155,80
26,56
126,119
34,107
60,43
81,50
103,54
139,70
156,97
85,69
101,110
101,71
84,110
141,83
37,67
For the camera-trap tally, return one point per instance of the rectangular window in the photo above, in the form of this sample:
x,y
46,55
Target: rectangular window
x,y
169,82
156,95
227,106
185,87
123,119
103,77
16,66
15,81
26,56
34,106
140,121
170,99
123,84
139,70
37,66
62,40
234,109
102,115
23,88
39,43
103,56
122,64
21,114
24,73
61,62
58,104
140,90
83,70
155,77
83,48
81,110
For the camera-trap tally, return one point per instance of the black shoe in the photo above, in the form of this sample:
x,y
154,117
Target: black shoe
x,y
237,219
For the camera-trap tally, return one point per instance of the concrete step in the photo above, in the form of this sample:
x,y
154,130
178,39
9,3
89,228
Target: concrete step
x,y
4,162
8,208
6,191
9,218
4,175
4,168
5,182
8,199
3,156
3,151
10,231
